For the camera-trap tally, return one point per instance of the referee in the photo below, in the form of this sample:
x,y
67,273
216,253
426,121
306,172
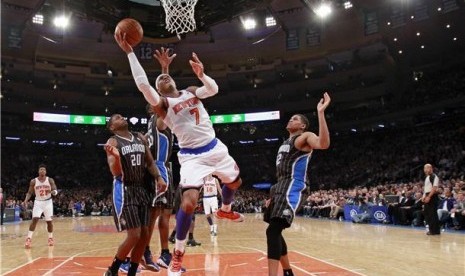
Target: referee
x,y
430,198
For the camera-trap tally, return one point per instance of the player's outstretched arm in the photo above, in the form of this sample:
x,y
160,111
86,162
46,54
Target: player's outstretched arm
x,y
209,88
138,73
309,140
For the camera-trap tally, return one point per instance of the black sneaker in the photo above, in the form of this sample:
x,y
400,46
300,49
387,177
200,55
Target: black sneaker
x,y
108,273
193,243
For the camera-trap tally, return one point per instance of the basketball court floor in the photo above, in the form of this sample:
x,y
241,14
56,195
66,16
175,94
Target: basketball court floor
x,y
86,245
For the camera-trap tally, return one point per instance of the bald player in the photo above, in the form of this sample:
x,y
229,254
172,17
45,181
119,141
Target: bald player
x,y
430,199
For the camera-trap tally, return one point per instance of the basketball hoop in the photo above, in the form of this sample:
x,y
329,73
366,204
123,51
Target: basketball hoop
x,y
179,15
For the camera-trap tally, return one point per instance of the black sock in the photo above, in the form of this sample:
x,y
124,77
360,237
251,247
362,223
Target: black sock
x,y
191,236
147,248
115,266
288,272
133,269
165,251
173,234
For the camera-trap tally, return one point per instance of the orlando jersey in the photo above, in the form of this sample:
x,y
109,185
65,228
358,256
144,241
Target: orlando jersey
x,y
189,120
160,142
291,170
132,153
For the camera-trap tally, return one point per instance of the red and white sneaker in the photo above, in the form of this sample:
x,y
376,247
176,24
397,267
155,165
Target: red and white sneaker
x,y
51,242
175,269
232,216
28,243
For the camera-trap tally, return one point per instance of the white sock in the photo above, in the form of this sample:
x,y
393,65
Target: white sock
x,y
180,245
50,234
226,208
215,227
29,234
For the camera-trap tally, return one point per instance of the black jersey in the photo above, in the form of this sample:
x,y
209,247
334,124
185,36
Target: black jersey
x,y
160,142
291,170
132,153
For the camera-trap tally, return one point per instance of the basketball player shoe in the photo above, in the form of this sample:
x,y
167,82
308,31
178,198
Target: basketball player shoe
x,y
193,243
124,267
175,268
51,242
164,261
28,243
232,216
148,262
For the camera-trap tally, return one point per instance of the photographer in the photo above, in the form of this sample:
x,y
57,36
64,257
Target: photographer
x,y
364,210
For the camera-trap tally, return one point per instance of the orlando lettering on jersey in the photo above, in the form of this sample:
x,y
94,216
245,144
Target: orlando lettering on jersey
x,y
187,103
133,148
284,148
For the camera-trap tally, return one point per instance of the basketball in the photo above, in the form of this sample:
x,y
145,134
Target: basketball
x,y
133,30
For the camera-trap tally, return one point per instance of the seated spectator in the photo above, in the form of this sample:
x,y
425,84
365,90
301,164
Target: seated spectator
x,y
458,212
445,206
414,213
364,215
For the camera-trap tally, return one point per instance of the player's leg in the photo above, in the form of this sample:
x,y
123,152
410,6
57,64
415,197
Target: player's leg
x,y
163,228
37,211
147,257
287,271
208,213
274,245
191,241
48,214
228,172
214,209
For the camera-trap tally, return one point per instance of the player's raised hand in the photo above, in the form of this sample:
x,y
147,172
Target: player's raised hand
x,y
324,102
197,65
164,57
122,43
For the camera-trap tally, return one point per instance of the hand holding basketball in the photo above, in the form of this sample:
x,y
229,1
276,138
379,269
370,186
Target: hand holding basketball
x,y
130,30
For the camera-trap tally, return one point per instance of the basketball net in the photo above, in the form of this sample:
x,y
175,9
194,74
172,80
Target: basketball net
x,y
179,15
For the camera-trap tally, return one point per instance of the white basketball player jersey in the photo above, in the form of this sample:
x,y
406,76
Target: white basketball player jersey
x,y
41,189
189,121
209,187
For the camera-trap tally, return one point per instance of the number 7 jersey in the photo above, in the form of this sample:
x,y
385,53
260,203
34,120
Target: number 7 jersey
x,y
189,121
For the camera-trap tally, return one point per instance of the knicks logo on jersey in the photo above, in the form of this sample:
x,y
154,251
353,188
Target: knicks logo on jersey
x,y
185,104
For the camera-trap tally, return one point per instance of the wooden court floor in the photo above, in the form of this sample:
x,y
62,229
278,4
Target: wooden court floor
x,y
86,245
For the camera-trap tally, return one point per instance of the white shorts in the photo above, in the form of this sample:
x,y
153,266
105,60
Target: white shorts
x,y
43,206
216,161
210,205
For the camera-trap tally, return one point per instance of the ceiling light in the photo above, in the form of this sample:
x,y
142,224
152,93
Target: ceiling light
x,y
395,38
389,23
61,21
38,19
439,9
347,5
270,21
249,23
448,26
400,52
422,46
323,10
412,17
418,33
454,39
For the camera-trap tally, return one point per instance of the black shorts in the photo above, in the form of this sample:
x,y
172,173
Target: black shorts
x,y
130,206
165,200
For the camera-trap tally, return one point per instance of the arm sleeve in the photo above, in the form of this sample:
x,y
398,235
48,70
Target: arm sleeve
x,y
142,82
208,89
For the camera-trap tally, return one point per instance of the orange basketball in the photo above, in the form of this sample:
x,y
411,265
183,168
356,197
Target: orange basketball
x,y
133,30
